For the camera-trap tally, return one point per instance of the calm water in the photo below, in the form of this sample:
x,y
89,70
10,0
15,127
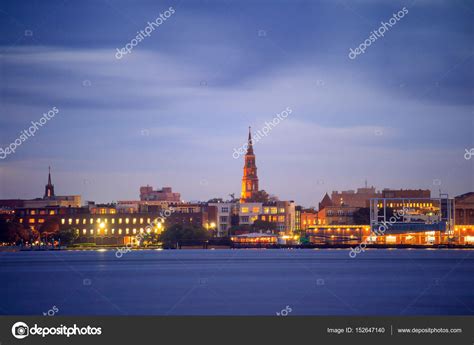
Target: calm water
x,y
238,282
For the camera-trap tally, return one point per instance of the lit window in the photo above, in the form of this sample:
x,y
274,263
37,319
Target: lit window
x,y
281,218
32,212
106,220
127,231
244,210
98,220
91,221
148,220
141,230
105,232
120,220
41,220
31,220
92,231
266,210
127,220
282,210
264,218
256,210
77,220
52,213
84,231
70,221
120,231
84,221
141,220
274,210
113,231
113,220
63,220
134,231
134,220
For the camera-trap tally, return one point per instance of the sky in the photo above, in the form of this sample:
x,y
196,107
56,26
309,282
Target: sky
x,y
171,112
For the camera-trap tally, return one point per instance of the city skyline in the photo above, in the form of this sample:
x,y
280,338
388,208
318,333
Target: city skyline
x,y
172,111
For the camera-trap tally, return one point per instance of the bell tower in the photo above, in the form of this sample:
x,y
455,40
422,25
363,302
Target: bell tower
x,y
250,178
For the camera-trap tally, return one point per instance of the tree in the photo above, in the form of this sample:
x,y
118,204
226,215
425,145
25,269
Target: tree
x,y
179,233
13,232
68,236
259,196
49,227
263,225
362,216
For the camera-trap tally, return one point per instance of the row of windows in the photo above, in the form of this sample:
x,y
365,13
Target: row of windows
x,y
415,204
279,219
246,210
42,212
113,231
77,221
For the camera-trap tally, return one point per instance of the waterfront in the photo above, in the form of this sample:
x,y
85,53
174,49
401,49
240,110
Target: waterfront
x,y
238,282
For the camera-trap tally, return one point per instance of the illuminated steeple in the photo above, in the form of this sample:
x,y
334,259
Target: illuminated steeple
x,y
250,178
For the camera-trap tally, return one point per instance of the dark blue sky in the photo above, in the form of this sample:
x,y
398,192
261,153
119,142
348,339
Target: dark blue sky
x,y
170,113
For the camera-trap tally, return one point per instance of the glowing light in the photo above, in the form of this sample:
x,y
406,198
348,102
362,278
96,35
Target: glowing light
x,y
102,225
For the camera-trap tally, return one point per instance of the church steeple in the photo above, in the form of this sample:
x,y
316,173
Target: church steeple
x,y
250,178
250,143
49,188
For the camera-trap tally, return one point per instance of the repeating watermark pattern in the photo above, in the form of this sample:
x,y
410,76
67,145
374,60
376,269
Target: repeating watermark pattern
x,y
379,232
378,132
28,33
262,33
437,182
263,132
86,83
146,32
21,330
87,282
376,34
51,312
320,282
161,219
285,311
28,133
468,154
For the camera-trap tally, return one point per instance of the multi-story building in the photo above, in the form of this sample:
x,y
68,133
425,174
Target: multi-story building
x,y
406,193
223,217
464,205
359,198
341,215
282,213
165,194
309,217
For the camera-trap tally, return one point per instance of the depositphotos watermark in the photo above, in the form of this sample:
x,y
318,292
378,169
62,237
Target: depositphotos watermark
x,y
27,133
376,34
146,32
379,232
262,132
21,330
469,153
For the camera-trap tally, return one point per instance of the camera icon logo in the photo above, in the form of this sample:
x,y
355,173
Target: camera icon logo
x,y
20,330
